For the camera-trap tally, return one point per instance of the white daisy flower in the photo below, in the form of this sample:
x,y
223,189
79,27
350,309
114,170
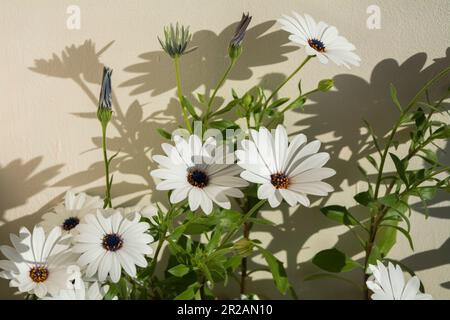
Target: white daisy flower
x,y
320,39
389,284
203,173
288,171
109,243
70,213
37,264
82,290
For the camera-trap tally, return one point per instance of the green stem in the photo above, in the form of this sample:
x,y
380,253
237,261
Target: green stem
x,y
244,219
177,74
219,84
286,81
107,200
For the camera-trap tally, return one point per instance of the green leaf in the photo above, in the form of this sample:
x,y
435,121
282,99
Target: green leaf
x,y
364,198
201,97
401,170
442,133
394,97
386,239
277,270
223,124
163,133
333,260
339,214
227,108
188,106
403,231
426,193
429,156
189,293
296,104
179,270
278,103
372,162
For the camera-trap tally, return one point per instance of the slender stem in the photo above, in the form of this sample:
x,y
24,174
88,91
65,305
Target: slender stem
x,y
231,233
107,200
244,274
219,84
177,74
286,81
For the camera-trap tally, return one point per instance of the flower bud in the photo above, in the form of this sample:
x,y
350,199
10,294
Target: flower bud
x,y
235,47
244,247
176,40
104,110
325,85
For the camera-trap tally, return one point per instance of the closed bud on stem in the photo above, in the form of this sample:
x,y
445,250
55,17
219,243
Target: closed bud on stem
x,y
104,110
235,47
176,40
325,85
244,247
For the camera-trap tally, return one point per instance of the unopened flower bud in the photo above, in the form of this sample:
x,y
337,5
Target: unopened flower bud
x,y
104,110
244,247
176,40
235,47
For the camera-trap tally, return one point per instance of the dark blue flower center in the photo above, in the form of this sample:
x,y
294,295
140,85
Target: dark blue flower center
x,y
112,242
198,178
316,45
279,180
39,274
70,223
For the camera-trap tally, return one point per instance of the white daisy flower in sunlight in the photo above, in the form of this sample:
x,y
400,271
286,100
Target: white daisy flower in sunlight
x,y
320,39
70,213
109,243
37,264
203,173
288,171
82,290
389,284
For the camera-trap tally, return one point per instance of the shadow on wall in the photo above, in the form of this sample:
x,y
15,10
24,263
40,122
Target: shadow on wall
x,y
136,134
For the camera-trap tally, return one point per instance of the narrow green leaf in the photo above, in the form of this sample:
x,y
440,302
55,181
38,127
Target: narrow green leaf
x,y
278,103
187,104
179,270
189,293
403,231
163,133
394,97
339,214
401,170
277,270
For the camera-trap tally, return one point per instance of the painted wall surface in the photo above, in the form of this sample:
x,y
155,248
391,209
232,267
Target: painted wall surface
x,y
49,84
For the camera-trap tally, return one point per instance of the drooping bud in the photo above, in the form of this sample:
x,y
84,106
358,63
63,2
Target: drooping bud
x,y
235,47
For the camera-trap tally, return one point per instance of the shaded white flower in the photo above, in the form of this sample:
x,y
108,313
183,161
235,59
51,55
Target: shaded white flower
x,y
70,213
38,264
320,39
82,290
110,243
202,172
389,284
288,171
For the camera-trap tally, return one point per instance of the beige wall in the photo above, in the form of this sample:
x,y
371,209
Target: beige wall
x,y
49,82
